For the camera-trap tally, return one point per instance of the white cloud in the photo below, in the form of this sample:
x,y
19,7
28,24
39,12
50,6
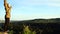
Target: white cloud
x,y
54,4
31,2
36,2
54,0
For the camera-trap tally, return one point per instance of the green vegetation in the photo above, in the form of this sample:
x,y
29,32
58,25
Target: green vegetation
x,y
26,30
10,32
37,26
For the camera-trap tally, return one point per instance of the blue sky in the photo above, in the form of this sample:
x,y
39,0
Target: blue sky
x,y
32,9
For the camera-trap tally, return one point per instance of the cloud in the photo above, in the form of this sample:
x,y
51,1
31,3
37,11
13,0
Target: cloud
x,y
31,2
54,4
54,0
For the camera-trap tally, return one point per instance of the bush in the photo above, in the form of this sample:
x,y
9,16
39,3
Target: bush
x,y
10,32
26,30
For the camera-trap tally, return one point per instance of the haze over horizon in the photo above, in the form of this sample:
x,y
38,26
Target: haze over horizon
x,y
32,9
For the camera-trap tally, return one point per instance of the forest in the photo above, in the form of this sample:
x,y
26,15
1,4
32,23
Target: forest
x,y
36,26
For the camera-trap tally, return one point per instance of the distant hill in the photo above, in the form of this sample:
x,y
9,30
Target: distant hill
x,y
54,20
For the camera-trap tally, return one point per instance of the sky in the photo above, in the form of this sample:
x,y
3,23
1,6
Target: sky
x,y
31,9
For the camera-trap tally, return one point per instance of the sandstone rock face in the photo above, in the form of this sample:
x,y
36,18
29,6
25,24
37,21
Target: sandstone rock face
x,y
7,15
7,9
